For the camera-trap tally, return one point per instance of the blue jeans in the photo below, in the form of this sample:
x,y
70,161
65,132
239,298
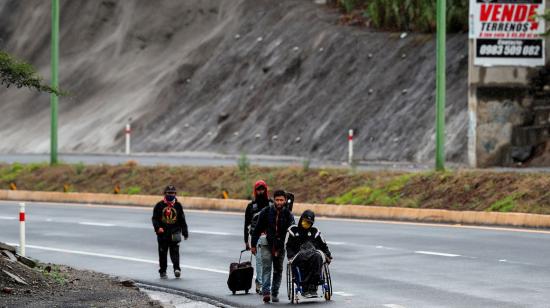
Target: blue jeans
x,y
259,260
270,262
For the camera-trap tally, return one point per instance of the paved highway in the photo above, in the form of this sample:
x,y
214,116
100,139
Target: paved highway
x,y
377,264
203,159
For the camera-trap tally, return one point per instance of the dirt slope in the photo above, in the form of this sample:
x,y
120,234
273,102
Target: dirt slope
x,y
211,75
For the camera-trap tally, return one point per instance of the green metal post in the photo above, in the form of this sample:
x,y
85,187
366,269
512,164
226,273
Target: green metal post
x,y
55,82
440,88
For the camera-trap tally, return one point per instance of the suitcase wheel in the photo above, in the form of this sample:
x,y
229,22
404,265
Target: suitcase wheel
x,y
234,292
246,291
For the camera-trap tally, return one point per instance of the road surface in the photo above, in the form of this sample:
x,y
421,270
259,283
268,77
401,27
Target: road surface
x,y
376,264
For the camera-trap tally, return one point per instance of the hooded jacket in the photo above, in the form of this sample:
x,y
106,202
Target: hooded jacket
x,y
275,224
169,217
254,207
298,236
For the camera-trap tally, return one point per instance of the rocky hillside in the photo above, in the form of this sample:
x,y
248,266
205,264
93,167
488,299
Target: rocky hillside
x,y
254,76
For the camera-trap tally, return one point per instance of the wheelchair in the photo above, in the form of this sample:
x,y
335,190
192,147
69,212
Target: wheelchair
x,y
294,285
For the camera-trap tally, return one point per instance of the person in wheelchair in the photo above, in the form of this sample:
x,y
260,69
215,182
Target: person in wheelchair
x,y
307,250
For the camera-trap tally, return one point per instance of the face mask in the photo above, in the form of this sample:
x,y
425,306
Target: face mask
x,y
170,198
306,224
261,196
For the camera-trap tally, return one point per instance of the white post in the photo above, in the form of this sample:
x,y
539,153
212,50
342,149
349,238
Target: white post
x,y
350,147
127,132
22,229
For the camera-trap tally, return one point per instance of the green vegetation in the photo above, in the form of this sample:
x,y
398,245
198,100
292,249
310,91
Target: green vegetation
x,y
243,163
407,15
21,74
506,204
306,164
10,174
134,190
55,273
386,195
453,190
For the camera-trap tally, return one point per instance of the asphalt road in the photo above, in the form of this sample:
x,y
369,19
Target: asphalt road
x,y
204,159
377,264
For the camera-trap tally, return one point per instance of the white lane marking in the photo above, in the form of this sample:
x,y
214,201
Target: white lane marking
x,y
144,226
502,260
336,243
344,294
211,232
369,221
393,306
8,218
436,253
94,254
99,224
388,248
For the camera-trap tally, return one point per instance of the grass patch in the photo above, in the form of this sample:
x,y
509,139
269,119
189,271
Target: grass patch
x,y
133,190
388,194
453,190
405,15
54,272
506,204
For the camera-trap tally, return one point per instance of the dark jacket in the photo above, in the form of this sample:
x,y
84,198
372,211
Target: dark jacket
x,y
275,223
252,209
298,236
172,220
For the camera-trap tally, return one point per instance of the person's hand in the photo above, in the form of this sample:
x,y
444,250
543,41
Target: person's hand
x,y
160,231
329,259
253,250
246,246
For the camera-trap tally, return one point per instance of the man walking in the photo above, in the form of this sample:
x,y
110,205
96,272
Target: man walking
x,y
261,201
274,221
169,223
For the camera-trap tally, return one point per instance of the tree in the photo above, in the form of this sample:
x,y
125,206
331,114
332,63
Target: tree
x,y
21,74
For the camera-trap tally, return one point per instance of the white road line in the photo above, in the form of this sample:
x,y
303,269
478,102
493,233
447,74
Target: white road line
x,y
211,232
344,294
337,243
393,306
369,221
436,253
94,254
99,224
8,218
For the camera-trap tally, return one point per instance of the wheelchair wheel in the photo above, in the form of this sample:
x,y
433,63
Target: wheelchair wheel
x,y
291,290
327,287
289,286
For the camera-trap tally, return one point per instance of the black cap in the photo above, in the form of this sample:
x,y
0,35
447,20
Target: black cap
x,y
170,189
308,215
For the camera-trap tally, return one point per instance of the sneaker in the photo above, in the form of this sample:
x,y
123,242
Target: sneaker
x,y
267,298
177,273
163,275
275,299
258,287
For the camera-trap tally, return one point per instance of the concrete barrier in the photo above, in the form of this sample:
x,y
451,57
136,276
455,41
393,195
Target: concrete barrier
x,y
326,210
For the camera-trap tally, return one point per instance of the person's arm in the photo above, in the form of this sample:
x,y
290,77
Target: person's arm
x,y
183,224
156,218
322,245
260,226
247,222
290,219
291,244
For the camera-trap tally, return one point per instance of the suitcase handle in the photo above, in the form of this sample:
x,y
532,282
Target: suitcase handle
x,y
242,255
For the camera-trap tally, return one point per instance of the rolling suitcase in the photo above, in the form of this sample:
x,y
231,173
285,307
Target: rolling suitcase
x,y
240,275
